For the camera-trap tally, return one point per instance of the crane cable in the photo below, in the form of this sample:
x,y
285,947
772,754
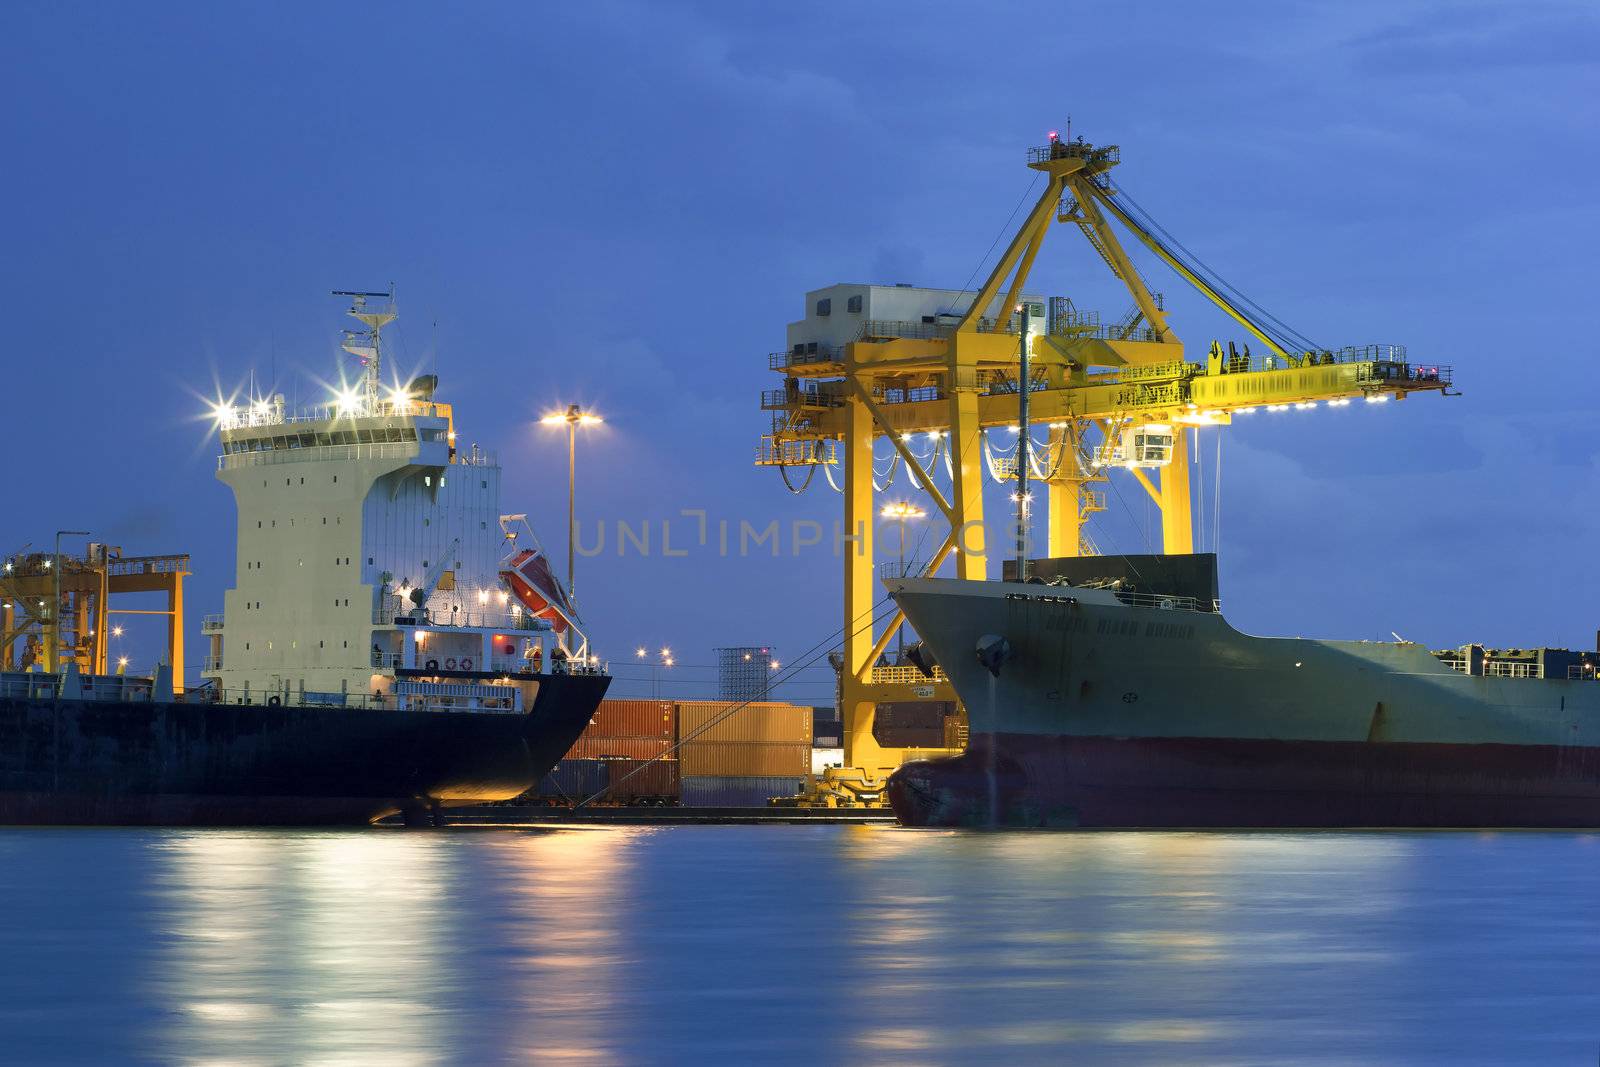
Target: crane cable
x,y
1284,334
811,472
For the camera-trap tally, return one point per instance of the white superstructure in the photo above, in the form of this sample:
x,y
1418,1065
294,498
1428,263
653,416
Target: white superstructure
x,y
840,314
370,552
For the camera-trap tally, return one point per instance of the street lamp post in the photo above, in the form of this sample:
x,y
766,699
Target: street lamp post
x,y
574,417
641,653
900,511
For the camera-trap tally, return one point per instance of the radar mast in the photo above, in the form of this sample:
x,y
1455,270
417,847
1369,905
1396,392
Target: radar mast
x,y
366,345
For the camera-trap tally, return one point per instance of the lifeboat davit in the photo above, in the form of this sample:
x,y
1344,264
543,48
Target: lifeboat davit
x,y
528,576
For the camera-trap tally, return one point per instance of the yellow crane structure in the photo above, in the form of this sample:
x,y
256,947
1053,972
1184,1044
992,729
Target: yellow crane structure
x,y
57,609
1117,394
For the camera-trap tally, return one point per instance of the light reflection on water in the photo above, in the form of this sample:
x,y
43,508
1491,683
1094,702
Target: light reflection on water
x,y
796,944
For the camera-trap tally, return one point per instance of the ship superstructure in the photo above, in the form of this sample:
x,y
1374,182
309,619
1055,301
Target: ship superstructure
x,y
392,643
369,553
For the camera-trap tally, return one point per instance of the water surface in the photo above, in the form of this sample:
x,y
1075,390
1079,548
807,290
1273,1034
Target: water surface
x,y
797,945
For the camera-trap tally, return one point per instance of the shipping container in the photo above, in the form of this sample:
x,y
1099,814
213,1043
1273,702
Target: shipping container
x,y
641,782
756,759
709,791
633,718
760,722
827,727
929,714
912,723
956,731
569,781
909,736
609,782
591,746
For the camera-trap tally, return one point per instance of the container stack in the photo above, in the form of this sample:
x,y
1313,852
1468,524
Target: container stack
x,y
743,757
731,755
624,757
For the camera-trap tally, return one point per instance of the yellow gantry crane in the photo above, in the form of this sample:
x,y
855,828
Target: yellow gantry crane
x,y
57,609
1112,395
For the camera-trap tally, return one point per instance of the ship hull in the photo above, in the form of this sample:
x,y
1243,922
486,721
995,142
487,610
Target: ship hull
x,y
87,762
1101,713
1029,780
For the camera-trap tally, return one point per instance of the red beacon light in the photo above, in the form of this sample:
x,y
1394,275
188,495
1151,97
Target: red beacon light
x,y
1055,135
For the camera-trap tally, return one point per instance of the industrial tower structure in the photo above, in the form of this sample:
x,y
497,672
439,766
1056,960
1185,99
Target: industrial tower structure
x,y
55,609
1119,395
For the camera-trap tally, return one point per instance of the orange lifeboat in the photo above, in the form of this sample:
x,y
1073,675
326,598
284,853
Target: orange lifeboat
x,y
528,576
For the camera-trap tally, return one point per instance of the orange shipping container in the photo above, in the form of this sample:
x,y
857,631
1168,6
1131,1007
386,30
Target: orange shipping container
x,y
760,722
590,746
751,759
633,718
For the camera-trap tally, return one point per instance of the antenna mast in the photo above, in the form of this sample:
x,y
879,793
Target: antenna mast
x,y
366,344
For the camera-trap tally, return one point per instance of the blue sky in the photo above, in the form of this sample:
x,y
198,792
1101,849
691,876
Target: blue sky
x,y
622,205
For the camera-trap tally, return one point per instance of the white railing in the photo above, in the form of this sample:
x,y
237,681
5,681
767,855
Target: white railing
x,y
1502,668
479,620
1499,668
318,453
210,624
1583,672
213,663
1165,601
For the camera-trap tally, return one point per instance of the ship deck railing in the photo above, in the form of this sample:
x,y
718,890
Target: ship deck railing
x,y
36,685
1518,668
499,664
522,622
264,457
1165,601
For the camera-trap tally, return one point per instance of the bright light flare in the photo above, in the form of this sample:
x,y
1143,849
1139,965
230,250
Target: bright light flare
x,y
348,401
641,652
574,415
116,631
226,416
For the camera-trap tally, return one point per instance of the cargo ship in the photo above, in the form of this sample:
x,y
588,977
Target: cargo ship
x,y
1098,700
392,641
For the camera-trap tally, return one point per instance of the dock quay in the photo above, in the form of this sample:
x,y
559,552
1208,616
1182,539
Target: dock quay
x,y
538,815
